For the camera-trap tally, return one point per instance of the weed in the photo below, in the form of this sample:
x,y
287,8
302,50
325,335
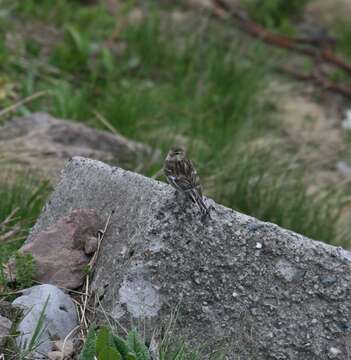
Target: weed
x,y
275,13
36,337
105,345
25,269
21,202
88,351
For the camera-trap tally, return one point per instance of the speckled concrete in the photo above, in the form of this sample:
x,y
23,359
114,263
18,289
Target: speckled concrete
x,y
268,292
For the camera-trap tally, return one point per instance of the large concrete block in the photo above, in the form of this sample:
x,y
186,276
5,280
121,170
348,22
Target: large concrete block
x,y
268,292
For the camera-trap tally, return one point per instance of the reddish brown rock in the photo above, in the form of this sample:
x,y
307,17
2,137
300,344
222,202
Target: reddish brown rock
x,y
59,251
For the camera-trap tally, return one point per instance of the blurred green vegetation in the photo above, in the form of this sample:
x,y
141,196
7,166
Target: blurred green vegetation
x,y
162,82
275,14
342,31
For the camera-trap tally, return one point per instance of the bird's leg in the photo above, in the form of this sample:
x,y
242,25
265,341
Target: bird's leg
x,y
177,194
205,217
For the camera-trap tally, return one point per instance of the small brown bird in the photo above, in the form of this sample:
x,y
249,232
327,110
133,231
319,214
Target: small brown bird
x,y
182,175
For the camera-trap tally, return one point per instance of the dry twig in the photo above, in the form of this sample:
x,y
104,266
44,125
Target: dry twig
x,y
86,294
18,104
65,340
9,234
9,218
105,122
319,49
319,81
289,43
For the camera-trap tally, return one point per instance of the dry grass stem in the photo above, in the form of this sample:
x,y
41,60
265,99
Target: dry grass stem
x,y
26,100
106,123
82,304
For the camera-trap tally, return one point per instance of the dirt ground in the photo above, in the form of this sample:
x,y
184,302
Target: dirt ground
x,y
314,130
327,11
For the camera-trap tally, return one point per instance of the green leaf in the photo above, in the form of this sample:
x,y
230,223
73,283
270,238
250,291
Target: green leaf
x,y
25,269
102,340
136,344
130,356
88,351
107,60
109,353
121,345
35,340
75,37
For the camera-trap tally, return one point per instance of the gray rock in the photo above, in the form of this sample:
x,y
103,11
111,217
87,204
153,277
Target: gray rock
x,y
59,317
288,298
5,327
43,143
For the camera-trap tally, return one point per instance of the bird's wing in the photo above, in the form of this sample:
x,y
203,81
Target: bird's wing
x,y
182,175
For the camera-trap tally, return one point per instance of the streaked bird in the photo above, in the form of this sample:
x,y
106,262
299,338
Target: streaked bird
x,y
181,174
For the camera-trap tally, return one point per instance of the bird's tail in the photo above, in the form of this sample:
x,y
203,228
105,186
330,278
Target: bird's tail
x,y
198,200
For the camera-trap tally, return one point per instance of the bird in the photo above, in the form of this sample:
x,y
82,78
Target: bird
x,y
182,175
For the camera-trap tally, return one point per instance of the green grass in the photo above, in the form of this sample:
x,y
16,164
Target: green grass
x,y
277,193
21,202
275,14
342,32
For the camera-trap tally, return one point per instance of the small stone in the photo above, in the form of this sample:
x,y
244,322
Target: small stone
x,y
327,280
254,311
255,226
205,309
91,245
288,271
258,245
334,352
235,294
